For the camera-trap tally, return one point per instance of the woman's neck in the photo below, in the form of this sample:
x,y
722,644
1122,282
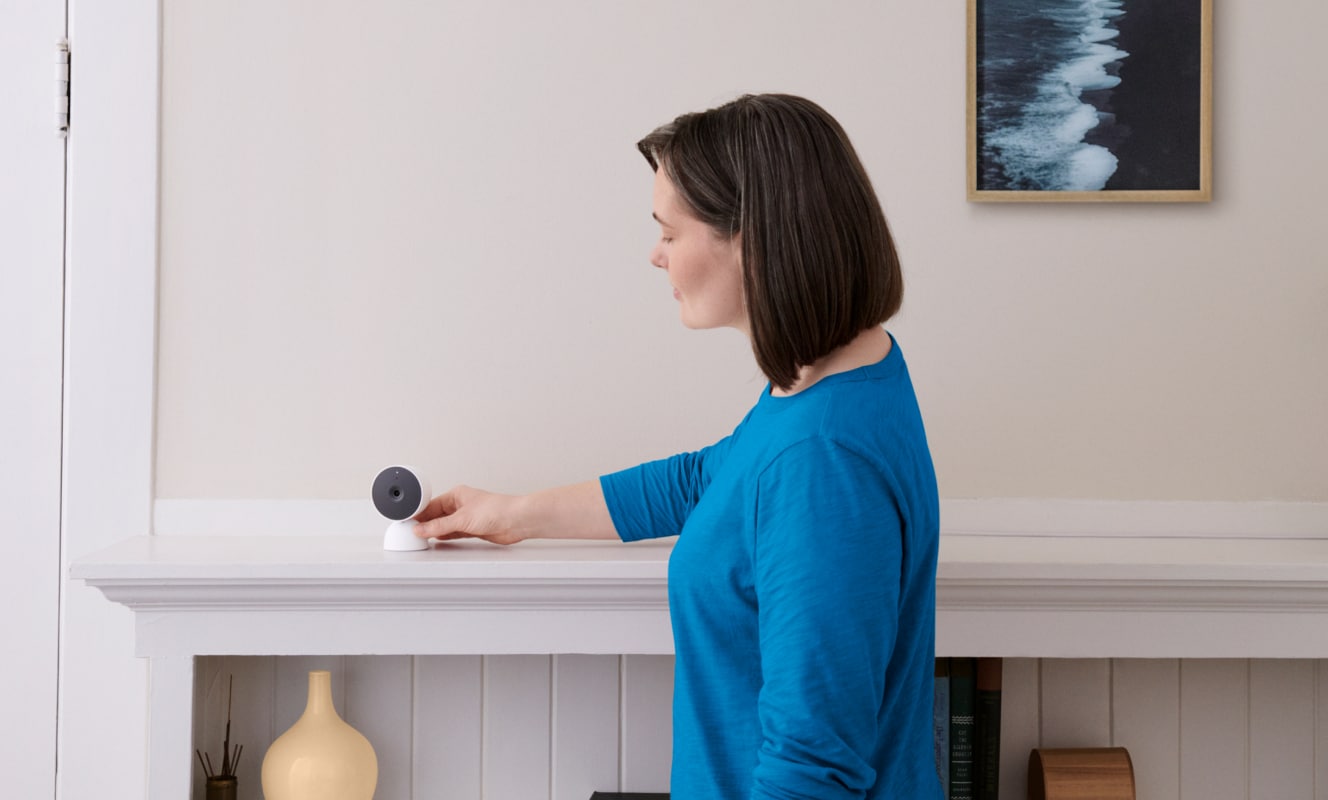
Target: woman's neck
x,y
868,347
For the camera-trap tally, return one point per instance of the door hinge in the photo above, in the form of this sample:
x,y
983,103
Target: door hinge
x,y
62,88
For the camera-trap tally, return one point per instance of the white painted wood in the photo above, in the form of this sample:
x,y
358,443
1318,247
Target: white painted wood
x,y
209,717
348,595
1021,702
380,705
446,723
586,723
997,596
1281,728
1145,719
1088,633
1214,720
1076,702
516,746
32,163
647,730
449,726
1029,516
170,728
110,348
1320,729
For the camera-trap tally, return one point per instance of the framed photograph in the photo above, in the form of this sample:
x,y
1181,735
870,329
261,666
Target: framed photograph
x,y
1090,100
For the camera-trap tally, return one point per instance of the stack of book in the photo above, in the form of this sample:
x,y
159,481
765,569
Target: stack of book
x,y
968,727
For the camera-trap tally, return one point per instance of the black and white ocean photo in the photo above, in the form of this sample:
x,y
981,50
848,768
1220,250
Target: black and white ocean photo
x,y
1077,96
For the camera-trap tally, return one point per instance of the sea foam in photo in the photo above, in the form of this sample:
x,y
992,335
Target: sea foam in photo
x,y
1045,72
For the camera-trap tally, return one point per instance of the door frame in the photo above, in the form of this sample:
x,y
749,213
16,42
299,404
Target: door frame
x,y
109,380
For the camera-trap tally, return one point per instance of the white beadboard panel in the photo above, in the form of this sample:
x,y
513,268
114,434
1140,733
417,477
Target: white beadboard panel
x,y
198,735
517,693
647,723
586,722
1214,726
251,715
1145,719
448,727
561,727
1321,730
1076,702
379,704
252,723
1020,704
292,687
1282,720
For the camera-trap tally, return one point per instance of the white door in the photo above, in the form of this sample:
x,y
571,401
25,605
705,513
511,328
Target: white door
x,y
32,193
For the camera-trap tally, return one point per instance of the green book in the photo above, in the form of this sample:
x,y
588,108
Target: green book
x,y
963,729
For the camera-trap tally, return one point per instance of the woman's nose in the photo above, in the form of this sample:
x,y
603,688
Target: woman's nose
x,y
657,257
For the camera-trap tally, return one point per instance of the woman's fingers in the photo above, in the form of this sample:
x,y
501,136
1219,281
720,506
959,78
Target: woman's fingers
x,y
463,512
440,506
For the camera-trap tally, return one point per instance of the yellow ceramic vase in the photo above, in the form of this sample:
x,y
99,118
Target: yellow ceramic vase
x,y
320,757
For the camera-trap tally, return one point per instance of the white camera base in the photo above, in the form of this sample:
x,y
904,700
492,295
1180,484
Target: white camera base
x,y
400,536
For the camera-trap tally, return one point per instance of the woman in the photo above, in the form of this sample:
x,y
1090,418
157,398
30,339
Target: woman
x,y
802,586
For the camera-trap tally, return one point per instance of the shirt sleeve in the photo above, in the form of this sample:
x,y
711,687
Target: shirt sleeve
x,y
827,577
654,499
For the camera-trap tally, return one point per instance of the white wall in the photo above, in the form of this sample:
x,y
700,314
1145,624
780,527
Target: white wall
x,y
404,233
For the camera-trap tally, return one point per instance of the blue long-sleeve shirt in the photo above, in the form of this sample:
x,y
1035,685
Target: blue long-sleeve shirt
x,y
802,594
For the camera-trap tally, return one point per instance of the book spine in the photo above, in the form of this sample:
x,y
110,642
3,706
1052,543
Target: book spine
x,y
941,723
963,689
987,740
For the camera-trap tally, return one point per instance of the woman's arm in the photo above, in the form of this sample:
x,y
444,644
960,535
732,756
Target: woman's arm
x,y
827,572
577,511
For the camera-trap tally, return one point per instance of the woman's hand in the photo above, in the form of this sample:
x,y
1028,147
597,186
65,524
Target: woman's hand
x,y
568,512
463,512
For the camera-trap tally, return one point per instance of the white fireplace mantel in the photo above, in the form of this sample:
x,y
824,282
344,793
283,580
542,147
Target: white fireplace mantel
x,y
1035,596
1073,595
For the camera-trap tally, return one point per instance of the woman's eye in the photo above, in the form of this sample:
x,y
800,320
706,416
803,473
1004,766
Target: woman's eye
x,y
666,239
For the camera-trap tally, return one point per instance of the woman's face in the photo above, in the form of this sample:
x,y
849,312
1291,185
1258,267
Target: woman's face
x,y
704,268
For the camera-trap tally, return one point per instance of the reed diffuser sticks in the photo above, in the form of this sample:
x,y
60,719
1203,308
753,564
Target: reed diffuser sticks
x,y
230,759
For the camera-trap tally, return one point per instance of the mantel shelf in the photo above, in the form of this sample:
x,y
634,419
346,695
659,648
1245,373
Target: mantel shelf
x,y
1036,596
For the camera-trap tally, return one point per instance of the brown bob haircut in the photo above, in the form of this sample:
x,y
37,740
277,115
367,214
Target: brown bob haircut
x,y
819,264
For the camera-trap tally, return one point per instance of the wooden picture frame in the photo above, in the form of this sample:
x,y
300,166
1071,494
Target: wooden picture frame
x,y
1060,109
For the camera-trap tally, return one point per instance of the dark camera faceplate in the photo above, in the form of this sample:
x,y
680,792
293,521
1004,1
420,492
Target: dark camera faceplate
x,y
397,493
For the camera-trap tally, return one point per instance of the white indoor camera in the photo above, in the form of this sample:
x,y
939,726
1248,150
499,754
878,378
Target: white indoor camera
x,y
399,493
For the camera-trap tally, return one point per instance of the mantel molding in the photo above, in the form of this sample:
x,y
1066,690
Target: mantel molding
x,y
1034,596
356,594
